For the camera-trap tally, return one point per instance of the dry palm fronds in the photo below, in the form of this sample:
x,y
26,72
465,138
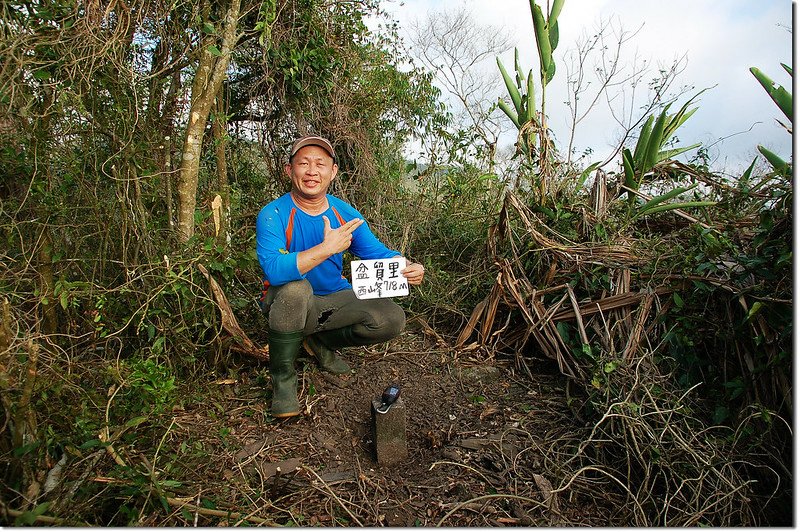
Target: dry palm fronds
x,y
599,194
646,445
610,303
518,293
540,319
603,254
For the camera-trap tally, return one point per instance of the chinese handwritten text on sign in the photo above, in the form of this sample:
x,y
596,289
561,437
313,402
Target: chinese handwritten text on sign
x,y
379,278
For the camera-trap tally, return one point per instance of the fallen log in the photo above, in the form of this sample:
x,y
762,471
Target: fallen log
x,y
242,342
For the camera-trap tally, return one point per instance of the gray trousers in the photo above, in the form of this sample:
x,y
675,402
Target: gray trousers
x,y
293,307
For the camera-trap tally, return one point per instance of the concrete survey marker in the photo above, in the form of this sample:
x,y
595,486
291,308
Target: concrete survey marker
x,y
389,432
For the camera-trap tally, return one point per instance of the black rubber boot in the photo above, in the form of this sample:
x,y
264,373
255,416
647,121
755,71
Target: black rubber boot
x,y
283,349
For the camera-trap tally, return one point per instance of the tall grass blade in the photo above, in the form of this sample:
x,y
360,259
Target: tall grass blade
x,y
585,174
746,175
665,197
677,120
513,92
542,39
530,108
551,72
555,10
553,32
681,116
509,112
669,154
641,143
654,143
779,95
518,68
627,165
675,206
778,164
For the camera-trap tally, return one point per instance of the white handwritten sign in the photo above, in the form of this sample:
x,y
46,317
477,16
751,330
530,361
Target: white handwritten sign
x,y
379,278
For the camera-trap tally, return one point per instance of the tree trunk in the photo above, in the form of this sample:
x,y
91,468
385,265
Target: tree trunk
x,y
207,82
219,128
47,284
167,136
49,325
168,185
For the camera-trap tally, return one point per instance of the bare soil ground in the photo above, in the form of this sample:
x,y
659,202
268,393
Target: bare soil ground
x,y
478,451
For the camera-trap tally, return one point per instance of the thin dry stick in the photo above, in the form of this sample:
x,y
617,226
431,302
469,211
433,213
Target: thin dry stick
x,y
219,513
247,517
47,520
332,494
581,329
579,472
160,445
105,433
229,322
196,513
635,338
461,465
485,497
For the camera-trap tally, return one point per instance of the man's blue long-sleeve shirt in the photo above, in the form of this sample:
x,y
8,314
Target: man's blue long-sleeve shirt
x,y
279,261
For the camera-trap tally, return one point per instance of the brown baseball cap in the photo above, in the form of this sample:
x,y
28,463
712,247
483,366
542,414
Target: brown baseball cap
x,y
312,140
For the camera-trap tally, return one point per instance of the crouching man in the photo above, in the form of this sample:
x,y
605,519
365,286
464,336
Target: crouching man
x,y
300,240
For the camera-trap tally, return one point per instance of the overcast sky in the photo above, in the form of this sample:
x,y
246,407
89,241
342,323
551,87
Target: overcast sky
x,y
721,40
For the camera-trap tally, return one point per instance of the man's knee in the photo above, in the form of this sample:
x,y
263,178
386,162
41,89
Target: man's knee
x,y
289,305
294,291
390,320
397,320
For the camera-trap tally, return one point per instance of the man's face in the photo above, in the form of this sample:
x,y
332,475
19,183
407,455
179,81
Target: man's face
x,y
311,170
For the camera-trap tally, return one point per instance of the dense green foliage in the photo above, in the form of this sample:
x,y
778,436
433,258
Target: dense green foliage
x,y
103,312
103,309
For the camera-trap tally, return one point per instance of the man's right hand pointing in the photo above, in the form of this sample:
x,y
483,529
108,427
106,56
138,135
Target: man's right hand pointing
x,y
339,239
